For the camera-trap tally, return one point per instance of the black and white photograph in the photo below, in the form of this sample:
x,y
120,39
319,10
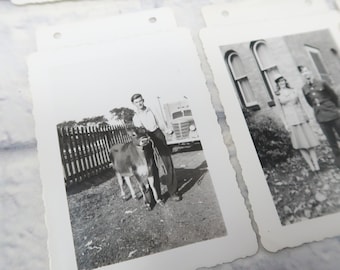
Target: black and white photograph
x,y
279,84
130,171
137,182
288,88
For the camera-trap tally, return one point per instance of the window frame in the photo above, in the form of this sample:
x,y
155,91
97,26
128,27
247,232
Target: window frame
x,y
314,50
264,70
237,82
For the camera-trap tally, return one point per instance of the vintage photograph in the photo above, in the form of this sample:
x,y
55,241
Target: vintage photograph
x,y
279,87
137,181
131,174
289,88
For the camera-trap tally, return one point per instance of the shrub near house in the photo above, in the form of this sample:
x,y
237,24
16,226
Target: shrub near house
x,y
271,140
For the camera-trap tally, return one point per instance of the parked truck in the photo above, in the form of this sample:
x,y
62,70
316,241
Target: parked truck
x,y
180,122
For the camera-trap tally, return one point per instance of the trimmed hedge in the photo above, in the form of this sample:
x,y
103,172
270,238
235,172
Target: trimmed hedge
x,y
271,140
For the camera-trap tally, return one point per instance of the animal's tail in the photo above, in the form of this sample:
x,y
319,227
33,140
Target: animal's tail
x,y
111,158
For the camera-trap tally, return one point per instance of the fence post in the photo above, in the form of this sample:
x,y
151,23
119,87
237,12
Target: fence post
x,y
84,151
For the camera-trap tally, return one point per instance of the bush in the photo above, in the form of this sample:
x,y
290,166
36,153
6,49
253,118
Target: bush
x,y
271,140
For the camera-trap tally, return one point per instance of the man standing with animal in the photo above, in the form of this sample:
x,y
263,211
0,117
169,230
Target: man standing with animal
x,y
130,160
144,117
325,103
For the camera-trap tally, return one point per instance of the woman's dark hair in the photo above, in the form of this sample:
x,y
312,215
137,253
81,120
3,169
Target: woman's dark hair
x,y
300,68
277,84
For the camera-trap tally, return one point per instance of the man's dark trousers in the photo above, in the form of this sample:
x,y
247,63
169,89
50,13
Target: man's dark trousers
x,y
329,128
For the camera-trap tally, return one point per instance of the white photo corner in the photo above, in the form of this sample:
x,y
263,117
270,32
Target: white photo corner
x,y
82,108
278,80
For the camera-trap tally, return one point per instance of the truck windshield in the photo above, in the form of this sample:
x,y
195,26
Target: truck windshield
x,y
177,114
187,113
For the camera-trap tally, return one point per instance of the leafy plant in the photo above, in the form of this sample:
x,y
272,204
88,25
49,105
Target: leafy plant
x,y
70,123
122,113
93,120
271,140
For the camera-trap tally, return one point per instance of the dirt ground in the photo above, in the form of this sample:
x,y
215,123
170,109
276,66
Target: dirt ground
x,y
300,194
108,230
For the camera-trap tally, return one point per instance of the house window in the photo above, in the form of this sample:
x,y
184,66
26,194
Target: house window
x,y
241,80
318,62
267,66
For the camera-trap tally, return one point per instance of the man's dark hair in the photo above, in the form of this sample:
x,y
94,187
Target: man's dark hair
x,y
135,96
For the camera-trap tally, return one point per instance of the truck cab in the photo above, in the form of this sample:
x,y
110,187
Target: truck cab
x,y
179,120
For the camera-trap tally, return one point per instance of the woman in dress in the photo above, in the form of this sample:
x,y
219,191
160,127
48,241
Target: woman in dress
x,y
297,123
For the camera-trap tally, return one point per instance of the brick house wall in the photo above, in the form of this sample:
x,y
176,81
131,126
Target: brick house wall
x,y
287,52
323,41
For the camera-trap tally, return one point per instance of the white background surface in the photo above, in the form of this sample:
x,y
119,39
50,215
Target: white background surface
x,y
22,229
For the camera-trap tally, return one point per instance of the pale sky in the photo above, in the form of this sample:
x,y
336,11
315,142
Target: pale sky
x,y
90,81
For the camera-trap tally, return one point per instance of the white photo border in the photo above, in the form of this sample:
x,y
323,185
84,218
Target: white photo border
x,y
273,235
233,209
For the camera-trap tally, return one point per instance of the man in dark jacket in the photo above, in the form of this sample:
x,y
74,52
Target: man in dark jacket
x,y
325,103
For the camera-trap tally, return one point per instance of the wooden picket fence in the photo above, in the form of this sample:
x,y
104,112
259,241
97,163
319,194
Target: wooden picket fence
x,y
85,150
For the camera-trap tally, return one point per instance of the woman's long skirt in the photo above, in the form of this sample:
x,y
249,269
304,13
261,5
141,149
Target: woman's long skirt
x,y
303,137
